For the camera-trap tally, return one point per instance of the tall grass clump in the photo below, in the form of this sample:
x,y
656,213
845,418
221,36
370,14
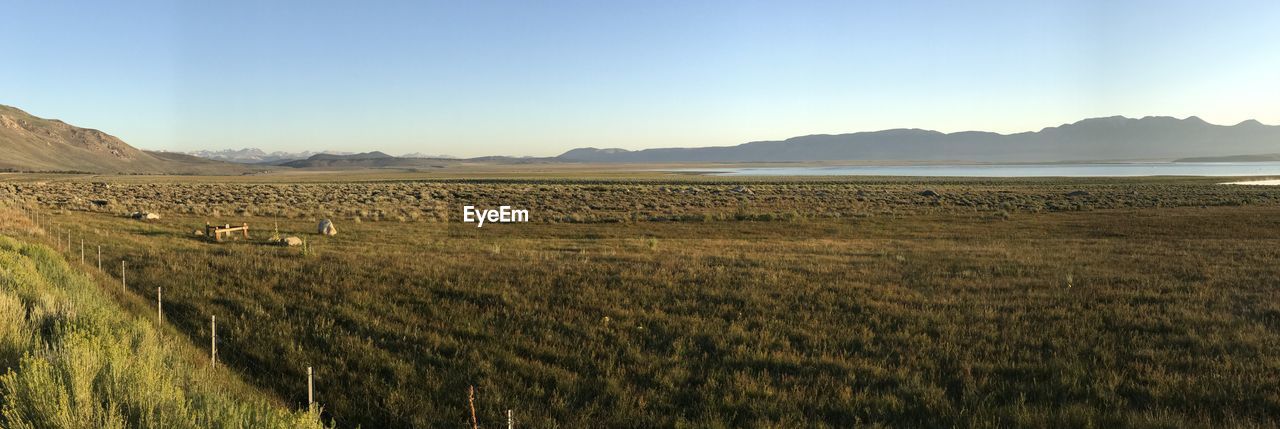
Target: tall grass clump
x,y
72,358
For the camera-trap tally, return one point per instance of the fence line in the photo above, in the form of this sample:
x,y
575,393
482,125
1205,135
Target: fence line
x,y
67,247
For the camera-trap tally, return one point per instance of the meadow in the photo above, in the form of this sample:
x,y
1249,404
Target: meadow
x,y
72,358
695,302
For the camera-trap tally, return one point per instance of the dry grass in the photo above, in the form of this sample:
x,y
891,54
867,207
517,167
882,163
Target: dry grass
x,y
997,304
71,358
587,201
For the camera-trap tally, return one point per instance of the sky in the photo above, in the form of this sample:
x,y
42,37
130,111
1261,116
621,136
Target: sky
x,y
537,78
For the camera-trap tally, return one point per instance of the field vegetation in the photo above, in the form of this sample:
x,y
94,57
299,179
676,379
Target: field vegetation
x,y
704,303
72,357
594,201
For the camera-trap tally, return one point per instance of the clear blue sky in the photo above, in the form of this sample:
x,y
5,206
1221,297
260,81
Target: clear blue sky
x,y
540,77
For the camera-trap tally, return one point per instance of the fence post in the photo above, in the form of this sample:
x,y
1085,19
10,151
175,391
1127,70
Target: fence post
x,y
99,257
123,286
81,250
310,392
159,306
471,401
213,340
511,422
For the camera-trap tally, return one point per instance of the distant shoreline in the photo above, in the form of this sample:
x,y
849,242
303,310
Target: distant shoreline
x,y
1131,169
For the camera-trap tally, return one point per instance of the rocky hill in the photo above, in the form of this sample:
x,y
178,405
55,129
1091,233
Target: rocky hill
x,y
30,143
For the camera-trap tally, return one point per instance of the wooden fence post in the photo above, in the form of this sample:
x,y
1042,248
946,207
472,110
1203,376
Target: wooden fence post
x,y
310,392
123,286
159,306
99,257
511,422
213,340
471,401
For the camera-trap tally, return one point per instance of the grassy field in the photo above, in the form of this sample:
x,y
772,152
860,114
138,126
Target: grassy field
x,y
72,358
703,303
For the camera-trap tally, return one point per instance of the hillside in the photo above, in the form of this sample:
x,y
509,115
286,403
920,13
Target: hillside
x,y
73,357
30,143
1113,138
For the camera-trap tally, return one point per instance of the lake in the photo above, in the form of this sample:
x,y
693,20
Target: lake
x,y
1230,169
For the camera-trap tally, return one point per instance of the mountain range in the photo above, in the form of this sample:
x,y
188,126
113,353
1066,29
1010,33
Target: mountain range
x,y
373,159
29,143
259,156
1112,138
377,159
255,155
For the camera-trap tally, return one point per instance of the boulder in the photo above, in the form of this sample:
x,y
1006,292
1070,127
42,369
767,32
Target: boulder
x,y
326,228
145,216
928,193
1078,194
292,241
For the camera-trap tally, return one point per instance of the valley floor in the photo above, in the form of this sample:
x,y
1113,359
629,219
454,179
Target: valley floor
x,y
1140,303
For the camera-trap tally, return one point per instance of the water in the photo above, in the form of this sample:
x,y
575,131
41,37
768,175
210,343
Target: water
x,y
1229,169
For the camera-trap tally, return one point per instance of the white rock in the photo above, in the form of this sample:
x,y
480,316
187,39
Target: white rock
x,y
326,228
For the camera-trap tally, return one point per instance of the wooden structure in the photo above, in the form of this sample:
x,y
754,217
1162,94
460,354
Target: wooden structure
x,y
216,232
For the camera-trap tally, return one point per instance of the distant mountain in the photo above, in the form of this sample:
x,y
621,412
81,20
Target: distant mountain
x,y
382,160
259,156
254,155
1266,157
427,156
1113,138
30,143
362,160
